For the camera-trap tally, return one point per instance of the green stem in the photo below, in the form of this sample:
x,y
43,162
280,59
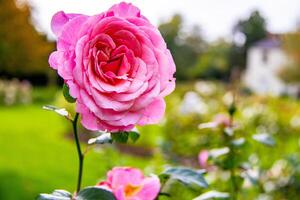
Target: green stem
x,y
80,154
234,184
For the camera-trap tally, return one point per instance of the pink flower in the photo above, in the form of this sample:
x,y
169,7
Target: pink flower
x,y
203,158
128,183
116,65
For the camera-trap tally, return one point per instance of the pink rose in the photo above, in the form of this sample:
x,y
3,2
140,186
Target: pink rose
x,y
130,184
116,65
203,158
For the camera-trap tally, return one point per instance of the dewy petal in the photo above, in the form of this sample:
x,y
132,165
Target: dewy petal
x,y
153,112
125,10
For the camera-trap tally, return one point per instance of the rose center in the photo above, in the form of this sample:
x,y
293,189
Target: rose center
x,y
131,190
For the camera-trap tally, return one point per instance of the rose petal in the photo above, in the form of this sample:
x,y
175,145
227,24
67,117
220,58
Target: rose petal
x,y
153,112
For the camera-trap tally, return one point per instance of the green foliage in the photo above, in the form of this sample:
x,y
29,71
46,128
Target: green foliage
x,y
61,111
94,193
213,195
253,29
34,162
23,51
56,195
102,139
291,44
264,138
187,176
184,46
213,63
122,137
134,136
67,95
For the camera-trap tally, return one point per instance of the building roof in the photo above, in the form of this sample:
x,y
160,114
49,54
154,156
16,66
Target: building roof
x,y
268,43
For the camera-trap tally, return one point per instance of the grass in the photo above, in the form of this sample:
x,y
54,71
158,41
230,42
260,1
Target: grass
x,y
36,156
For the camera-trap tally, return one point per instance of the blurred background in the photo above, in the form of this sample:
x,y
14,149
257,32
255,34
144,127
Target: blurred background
x,y
249,48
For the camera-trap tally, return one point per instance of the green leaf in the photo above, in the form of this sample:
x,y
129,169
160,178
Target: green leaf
x,y
212,195
121,137
264,138
67,95
164,194
62,193
102,139
56,195
94,193
232,109
61,111
187,176
163,178
134,136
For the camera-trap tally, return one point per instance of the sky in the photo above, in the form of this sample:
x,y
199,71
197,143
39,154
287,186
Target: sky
x,y
215,17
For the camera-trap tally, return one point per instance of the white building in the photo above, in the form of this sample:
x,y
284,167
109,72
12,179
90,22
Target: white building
x,y
264,61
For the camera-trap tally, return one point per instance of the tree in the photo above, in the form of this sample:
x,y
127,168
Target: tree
x,y
250,30
184,45
23,51
213,63
291,45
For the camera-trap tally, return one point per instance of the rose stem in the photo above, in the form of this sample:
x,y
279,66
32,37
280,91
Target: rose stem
x,y
80,155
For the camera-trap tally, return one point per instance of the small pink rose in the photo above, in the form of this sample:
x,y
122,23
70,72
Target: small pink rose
x,y
128,183
203,158
116,65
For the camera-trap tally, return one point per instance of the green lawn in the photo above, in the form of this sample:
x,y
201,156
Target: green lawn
x,y
36,155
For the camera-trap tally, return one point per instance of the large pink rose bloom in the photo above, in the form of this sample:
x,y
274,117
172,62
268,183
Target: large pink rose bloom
x,y
130,184
116,65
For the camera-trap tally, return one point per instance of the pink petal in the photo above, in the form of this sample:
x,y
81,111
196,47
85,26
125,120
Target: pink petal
x,y
153,112
124,10
122,176
150,189
70,31
54,59
58,21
